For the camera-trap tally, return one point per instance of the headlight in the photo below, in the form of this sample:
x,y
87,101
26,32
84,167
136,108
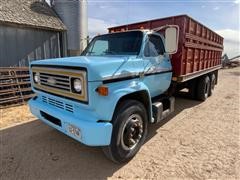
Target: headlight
x,y
36,77
77,85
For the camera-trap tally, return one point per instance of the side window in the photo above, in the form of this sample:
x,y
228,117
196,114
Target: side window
x,y
154,47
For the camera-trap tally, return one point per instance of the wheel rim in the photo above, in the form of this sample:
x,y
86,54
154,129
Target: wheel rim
x,y
132,132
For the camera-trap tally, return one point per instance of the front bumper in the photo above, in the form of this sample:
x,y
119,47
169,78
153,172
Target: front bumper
x,y
91,133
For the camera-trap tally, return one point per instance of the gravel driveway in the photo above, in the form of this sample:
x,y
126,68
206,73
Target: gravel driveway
x,y
199,141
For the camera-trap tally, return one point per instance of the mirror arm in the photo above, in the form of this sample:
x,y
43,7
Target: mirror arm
x,y
167,26
164,27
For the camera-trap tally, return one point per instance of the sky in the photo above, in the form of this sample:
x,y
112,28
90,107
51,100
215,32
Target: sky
x,y
222,16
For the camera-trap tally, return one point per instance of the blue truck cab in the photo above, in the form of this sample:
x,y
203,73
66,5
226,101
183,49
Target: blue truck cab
x,y
107,96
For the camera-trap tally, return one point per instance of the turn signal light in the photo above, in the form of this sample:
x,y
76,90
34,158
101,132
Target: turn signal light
x,y
102,90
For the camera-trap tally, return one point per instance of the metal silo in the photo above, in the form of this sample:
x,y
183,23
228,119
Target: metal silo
x,y
73,13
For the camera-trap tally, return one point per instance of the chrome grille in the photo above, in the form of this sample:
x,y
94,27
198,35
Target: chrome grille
x,y
62,82
58,104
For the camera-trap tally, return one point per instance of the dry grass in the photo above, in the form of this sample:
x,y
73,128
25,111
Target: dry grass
x,y
15,115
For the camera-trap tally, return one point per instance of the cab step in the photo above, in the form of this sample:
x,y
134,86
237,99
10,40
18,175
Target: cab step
x,y
162,109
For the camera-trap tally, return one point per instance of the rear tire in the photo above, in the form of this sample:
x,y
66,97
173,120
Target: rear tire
x,y
192,89
212,84
129,131
203,88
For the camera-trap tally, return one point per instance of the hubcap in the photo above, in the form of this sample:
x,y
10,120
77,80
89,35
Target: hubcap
x,y
132,132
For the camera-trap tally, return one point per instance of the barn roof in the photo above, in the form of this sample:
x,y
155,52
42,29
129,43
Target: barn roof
x,y
31,13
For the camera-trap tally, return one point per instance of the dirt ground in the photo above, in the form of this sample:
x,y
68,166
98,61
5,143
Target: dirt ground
x,y
14,116
199,141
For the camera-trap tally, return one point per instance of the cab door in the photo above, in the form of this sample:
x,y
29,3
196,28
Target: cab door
x,y
157,65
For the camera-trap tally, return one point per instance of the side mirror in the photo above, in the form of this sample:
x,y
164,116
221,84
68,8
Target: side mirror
x,y
171,39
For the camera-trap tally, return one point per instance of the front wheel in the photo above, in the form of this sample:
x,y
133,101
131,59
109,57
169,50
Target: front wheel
x,y
129,131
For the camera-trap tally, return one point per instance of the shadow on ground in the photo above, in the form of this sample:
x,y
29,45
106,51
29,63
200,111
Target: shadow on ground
x,y
180,105
36,151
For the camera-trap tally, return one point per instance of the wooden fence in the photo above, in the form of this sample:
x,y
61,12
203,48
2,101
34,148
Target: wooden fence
x,y
15,87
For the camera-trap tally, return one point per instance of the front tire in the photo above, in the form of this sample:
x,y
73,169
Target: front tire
x,y
129,131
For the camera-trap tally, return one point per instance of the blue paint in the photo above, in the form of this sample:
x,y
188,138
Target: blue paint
x,y
99,68
92,133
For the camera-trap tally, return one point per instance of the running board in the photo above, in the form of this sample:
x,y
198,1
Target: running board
x,y
159,113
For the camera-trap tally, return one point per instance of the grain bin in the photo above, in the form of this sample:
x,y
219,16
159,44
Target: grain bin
x,y
73,13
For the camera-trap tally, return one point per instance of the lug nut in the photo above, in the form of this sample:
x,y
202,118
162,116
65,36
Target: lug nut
x,y
132,141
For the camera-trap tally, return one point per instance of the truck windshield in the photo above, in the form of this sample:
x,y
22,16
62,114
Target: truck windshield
x,y
124,43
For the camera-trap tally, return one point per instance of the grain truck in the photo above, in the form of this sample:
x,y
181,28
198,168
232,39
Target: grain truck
x,y
126,80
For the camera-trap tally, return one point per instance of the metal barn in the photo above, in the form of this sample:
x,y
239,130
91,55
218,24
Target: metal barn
x,y
29,30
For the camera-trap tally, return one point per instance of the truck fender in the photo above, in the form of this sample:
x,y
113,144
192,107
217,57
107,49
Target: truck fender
x,y
119,92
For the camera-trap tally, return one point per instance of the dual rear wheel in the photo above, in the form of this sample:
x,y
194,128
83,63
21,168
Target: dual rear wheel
x,y
205,86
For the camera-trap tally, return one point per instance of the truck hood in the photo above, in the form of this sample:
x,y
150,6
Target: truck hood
x,y
98,67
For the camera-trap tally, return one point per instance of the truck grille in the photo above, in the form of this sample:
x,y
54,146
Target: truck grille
x,y
61,82
58,81
58,104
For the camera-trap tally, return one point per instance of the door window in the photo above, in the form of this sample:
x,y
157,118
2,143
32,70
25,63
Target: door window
x,y
154,47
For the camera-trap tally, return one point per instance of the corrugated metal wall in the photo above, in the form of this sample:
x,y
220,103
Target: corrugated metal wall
x,y
19,46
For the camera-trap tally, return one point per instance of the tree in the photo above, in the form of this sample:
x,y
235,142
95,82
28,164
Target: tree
x,y
225,60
